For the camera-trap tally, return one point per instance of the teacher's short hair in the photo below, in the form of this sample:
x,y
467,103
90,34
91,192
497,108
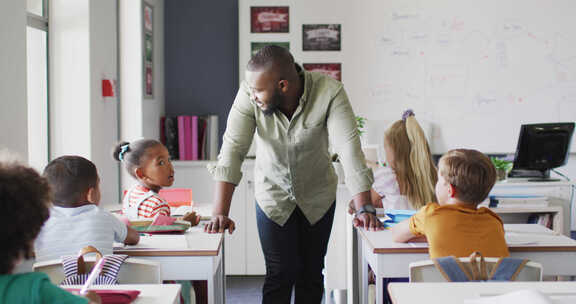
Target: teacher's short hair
x,y
268,56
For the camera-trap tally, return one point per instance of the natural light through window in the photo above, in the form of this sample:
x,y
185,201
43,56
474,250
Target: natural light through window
x,y
37,71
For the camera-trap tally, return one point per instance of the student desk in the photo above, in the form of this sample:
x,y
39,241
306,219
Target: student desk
x,y
196,255
457,293
389,259
149,293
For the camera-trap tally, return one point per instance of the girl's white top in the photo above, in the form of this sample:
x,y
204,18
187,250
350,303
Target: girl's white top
x,y
386,185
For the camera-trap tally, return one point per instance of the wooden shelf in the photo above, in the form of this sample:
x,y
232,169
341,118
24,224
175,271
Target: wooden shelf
x,y
549,209
556,212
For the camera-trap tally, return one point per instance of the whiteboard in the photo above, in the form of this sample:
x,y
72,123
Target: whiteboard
x,y
474,70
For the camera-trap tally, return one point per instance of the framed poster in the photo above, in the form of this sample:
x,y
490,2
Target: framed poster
x,y
256,46
333,70
269,19
148,81
148,49
321,37
147,17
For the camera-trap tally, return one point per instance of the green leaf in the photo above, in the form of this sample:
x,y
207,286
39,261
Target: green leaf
x,y
360,122
501,164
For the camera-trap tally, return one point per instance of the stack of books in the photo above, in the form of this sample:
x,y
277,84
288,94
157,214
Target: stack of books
x,y
544,219
518,201
190,137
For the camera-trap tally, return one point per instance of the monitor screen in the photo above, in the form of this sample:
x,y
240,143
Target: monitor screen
x,y
543,146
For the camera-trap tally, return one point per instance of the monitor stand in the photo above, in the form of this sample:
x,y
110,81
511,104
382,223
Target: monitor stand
x,y
545,177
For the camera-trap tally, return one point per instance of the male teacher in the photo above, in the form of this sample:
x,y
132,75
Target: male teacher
x,y
295,114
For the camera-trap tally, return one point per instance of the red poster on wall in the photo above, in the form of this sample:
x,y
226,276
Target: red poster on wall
x,y
148,90
333,70
269,19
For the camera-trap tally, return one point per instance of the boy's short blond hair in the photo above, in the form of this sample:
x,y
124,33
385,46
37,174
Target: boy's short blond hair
x,y
470,172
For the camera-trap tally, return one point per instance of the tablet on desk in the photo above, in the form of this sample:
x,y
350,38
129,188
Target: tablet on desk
x,y
145,226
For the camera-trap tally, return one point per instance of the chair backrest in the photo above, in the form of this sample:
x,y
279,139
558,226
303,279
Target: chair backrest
x,y
177,197
426,271
133,271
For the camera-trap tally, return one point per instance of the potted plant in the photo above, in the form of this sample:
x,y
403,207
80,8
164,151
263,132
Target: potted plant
x,y
502,167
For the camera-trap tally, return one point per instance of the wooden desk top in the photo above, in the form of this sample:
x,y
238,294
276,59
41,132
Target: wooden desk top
x,y
149,293
195,242
452,293
520,238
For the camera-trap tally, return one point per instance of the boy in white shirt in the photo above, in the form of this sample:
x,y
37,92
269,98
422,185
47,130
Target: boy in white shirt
x,y
75,219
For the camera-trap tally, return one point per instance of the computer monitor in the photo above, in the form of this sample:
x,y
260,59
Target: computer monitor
x,y
542,147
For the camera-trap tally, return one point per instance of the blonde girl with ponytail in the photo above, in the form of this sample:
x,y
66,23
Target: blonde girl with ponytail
x,y
409,177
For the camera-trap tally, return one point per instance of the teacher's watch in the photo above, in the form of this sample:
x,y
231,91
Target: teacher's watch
x,y
368,208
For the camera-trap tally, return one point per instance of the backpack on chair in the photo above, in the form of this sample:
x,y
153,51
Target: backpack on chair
x,y
453,270
76,271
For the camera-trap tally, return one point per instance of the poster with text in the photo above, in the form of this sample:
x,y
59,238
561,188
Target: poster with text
x,y
269,19
256,46
333,70
321,37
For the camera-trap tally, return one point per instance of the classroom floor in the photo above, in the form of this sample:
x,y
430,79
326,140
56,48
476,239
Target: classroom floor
x,y
241,290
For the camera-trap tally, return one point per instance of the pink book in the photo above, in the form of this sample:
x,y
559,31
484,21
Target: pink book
x,y
188,137
182,137
202,138
194,137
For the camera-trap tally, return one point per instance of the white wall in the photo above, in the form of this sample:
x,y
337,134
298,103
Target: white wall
x,y
371,79
154,108
104,111
70,89
83,52
13,99
131,70
140,116
301,12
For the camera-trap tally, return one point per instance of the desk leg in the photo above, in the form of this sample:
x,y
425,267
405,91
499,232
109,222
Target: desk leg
x,y
354,297
217,280
212,295
352,263
222,273
362,270
379,289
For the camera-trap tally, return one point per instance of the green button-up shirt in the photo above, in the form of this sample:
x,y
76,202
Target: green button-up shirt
x,y
293,165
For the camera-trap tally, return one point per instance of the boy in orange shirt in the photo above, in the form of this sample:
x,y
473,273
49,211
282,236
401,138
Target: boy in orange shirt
x,y
455,226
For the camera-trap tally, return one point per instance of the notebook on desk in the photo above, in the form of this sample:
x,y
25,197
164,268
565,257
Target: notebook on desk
x,y
392,217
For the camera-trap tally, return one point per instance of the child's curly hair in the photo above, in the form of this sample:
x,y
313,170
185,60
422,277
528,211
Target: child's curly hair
x,y
24,198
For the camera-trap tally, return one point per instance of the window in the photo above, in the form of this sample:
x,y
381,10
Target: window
x,y
37,71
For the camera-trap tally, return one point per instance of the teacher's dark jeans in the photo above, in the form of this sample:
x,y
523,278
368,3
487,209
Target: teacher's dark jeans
x,y
294,256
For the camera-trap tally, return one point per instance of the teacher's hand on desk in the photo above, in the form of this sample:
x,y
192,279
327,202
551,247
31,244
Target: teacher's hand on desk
x,y
219,223
368,221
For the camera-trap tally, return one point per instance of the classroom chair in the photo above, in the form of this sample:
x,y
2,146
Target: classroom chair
x,y
177,197
133,271
426,271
